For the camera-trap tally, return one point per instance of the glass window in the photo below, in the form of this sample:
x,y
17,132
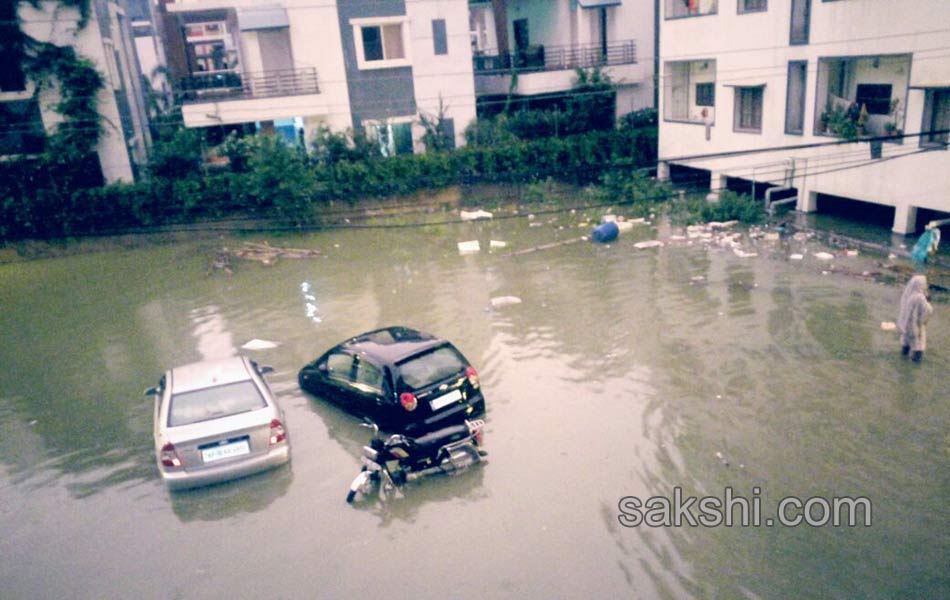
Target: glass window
x,y
440,40
936,118
431,367
690,8
875,97
753,5
382,42
214,403
369,377
393,138
748,115
340,366
795,97
801,17
705,94
689,91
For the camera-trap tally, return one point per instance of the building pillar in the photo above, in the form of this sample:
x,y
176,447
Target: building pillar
x,y
807,201
662,171
905,219
717,183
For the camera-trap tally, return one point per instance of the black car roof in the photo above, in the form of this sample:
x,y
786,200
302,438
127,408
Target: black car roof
x,y
392,344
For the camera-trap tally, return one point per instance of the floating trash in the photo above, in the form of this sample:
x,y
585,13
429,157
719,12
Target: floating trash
x,y
888,326
497,244
474,215
796,256
257,344
648,244
824,255
470,247
505,301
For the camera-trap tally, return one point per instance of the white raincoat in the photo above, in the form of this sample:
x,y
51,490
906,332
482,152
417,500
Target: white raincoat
x,y
914,312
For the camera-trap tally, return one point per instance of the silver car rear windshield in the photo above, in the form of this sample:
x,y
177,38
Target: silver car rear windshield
x,y
214,403
425,369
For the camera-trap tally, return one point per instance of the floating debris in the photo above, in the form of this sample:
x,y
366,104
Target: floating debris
x,y
221,262
823,255
470,247
505,301
474,215
266,254
257,344
888,326
722,225
722,459
851,252
497,244
648,244
743,254
796,256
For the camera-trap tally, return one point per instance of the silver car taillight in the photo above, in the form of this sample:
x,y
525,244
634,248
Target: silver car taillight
x,y
168,457
277,432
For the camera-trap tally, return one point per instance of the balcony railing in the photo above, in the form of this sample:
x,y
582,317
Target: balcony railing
x,y
558,58
231,85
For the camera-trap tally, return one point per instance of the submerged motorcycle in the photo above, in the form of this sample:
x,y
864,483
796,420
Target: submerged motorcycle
x,y
392,462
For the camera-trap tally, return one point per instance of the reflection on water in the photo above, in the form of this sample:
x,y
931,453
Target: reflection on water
x,y
622,372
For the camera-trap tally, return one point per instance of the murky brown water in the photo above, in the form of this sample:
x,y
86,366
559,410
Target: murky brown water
x,y
619,375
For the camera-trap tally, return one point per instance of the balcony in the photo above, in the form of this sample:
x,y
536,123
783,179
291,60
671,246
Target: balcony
x,y
862,96
535,59
232,85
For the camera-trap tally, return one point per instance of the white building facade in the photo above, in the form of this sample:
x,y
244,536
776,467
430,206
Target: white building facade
x,y
532,47
739,77
106,40
295,66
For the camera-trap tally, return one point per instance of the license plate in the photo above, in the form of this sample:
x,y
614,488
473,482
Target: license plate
x,y
225,451
445,400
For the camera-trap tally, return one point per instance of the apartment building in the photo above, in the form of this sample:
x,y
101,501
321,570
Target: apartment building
x,y
293,66
743,82
28,117
531,48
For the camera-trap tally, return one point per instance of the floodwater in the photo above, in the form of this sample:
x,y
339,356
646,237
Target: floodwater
x,y
623,373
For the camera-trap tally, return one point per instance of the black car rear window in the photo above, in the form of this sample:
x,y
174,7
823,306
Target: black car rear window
x,y
214,403
430,367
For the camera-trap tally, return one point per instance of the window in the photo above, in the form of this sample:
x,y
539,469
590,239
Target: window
x,y
440,41
690,8
795,97
23,132
936,122
425,369
339,366
214,403
746,6
689,91
748,111
876,97
801,15
393,138
369,378
705,94
380,43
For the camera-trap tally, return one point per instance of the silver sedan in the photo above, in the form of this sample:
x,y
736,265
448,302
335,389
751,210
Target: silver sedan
x,y
216,420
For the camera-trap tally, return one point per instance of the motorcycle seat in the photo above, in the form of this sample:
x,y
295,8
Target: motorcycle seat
x,y
440,437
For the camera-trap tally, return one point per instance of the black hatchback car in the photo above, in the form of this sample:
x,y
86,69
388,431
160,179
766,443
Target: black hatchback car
x,y
404,380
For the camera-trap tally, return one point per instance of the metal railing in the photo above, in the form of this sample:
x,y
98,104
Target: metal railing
x,y
558,58
232,85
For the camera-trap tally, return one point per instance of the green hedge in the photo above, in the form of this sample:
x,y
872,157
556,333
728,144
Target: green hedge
x,y
274,180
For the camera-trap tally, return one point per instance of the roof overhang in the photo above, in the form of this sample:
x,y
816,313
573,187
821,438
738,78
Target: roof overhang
x,y
262,17
598,3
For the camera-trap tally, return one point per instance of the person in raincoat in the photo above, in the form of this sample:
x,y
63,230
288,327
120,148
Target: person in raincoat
x,y
914,312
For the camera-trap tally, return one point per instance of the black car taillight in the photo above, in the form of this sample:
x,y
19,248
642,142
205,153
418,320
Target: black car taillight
x,y
472,376
408,401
